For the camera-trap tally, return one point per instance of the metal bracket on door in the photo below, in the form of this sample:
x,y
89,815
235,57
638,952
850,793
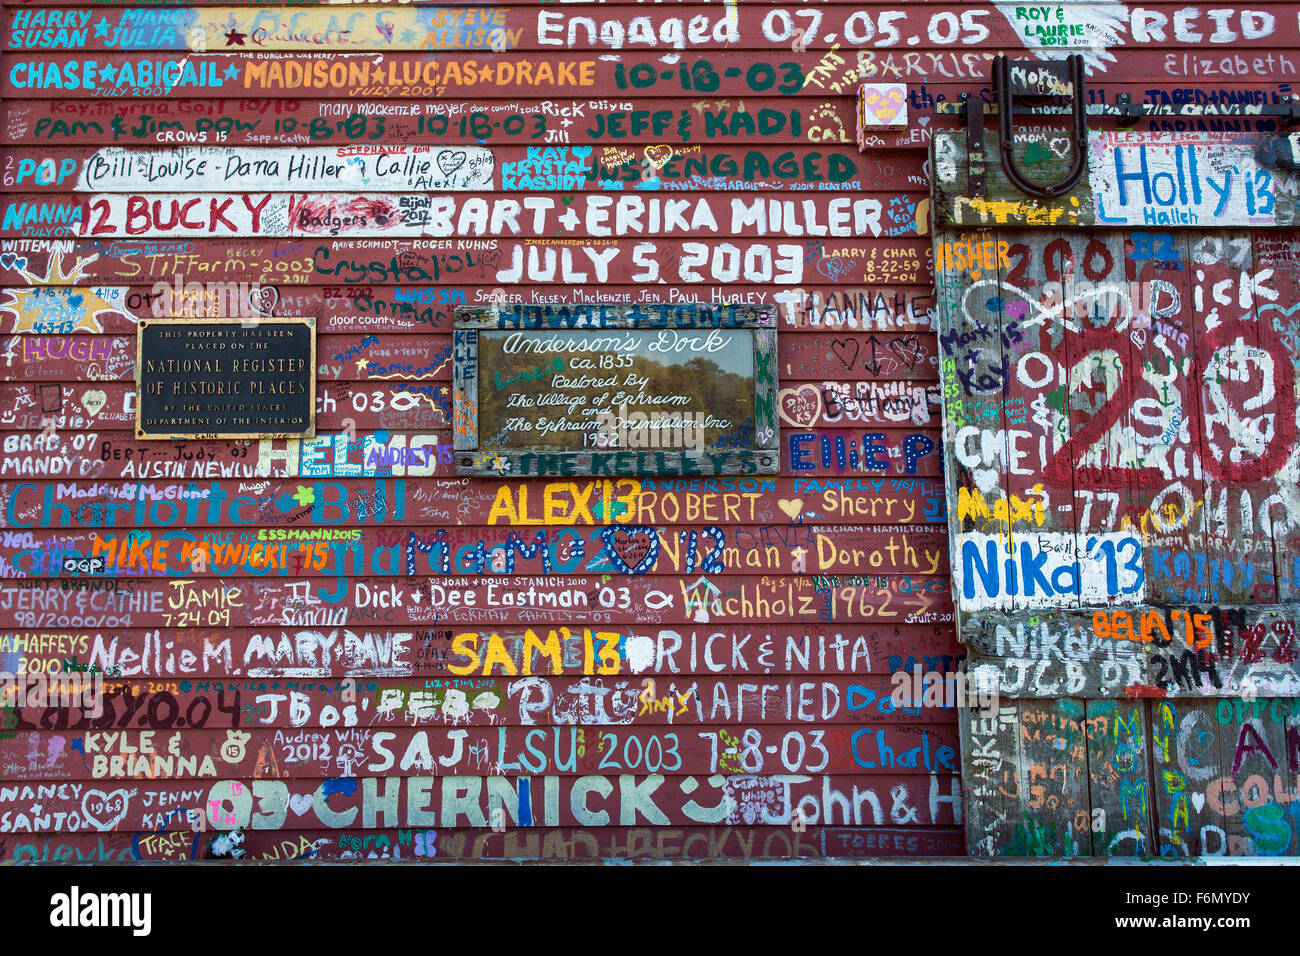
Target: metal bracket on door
x,y
975,162
1022,83
1024,88
1026,80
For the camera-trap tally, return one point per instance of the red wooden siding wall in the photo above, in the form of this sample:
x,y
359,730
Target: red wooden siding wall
x,y
617,687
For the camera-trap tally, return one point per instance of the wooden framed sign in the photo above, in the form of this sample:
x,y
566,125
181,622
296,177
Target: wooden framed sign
x,y
647,389
226,378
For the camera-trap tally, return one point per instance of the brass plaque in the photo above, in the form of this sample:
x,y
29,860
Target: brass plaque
x,y
200,378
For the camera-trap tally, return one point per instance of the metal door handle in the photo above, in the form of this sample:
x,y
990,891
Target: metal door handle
x,y
1003,88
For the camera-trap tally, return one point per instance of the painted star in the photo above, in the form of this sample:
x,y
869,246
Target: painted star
x,y
305,496
109,72
101,28
700,105
232,72
408,36
235,38
361,364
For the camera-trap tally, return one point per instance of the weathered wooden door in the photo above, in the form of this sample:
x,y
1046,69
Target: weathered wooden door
x,y
1120,407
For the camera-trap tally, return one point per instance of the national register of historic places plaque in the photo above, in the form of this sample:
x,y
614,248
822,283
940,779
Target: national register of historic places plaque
x,y
199,378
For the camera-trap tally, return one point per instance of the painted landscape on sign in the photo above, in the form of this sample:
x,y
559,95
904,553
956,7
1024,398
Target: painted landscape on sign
x,y
618,388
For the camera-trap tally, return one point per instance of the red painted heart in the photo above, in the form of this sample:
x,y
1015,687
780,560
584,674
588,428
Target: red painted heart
x,y
631,550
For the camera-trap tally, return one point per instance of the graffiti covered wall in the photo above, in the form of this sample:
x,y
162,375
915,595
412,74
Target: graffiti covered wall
x,y
1120,426
339,647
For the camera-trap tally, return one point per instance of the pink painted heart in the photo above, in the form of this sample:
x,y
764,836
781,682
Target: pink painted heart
x,y
886,106
883,103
